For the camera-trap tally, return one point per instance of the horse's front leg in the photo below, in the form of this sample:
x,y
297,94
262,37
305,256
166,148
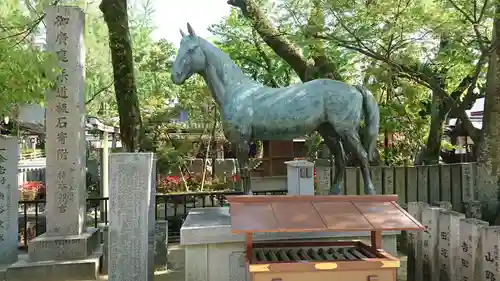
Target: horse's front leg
x,y
241,149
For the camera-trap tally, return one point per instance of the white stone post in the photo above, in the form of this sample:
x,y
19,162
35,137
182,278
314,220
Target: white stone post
x,y
300,177
132,216
430,243
469,252
489,258
449,233
9,198
415,239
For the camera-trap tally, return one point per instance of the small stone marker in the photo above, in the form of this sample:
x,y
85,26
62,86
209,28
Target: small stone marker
x,y
473,209
469,251
490,237
446,205
449,227
132,217
300,177
9,198
430,243
415,243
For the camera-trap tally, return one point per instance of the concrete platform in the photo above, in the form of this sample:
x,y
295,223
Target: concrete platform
x,y
75,270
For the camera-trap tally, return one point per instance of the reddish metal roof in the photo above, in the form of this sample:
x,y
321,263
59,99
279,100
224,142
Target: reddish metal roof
x,y
318,213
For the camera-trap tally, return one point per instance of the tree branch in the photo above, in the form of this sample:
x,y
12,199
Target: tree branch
x,y
29,29
415,75
268,64
474,22
281,45
100,91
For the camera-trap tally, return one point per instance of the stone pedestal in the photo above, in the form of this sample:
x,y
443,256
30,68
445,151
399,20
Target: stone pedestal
x,y
161,245
132,216
68,250
300,177
9,198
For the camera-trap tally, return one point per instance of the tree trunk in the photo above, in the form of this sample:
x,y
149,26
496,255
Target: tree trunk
x,y
116,18
488,172
438,113
433,146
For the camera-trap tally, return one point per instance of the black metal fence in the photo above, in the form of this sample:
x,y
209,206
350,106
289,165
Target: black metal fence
x,y
171,207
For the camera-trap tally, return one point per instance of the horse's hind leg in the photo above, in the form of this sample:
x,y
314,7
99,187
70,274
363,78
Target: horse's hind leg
x,y
352,140
333,143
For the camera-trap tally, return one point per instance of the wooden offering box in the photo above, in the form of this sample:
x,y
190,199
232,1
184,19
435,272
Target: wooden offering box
x,y
310,261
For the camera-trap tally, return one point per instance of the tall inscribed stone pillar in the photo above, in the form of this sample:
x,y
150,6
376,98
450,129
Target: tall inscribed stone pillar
x,y
68,250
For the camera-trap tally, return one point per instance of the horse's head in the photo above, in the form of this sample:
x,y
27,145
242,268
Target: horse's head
x,y
190,58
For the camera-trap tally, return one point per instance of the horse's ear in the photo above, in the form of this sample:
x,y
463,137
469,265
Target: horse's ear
x,y
190,30
182,32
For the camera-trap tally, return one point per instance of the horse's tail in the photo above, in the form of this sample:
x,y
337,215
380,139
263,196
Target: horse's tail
x,y
372,122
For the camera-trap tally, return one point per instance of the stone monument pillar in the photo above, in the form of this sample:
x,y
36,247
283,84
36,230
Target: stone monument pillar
x,y
300,177
9,200
132,216
68,250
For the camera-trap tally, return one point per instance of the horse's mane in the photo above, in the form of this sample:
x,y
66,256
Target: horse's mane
x,y
226,63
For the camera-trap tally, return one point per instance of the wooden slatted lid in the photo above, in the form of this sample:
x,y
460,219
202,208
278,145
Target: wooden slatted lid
x,y
261,213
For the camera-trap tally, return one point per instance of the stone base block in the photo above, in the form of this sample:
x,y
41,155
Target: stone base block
x,y
176,257
63,248
3,270
161,245
73,270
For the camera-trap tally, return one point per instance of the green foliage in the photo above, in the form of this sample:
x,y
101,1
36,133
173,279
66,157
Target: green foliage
x,y
399,50
246,48
25,71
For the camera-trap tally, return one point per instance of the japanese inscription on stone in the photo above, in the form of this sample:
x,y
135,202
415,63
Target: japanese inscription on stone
x,y
131,190
489,259
65,122
9,155
61,109
4,195
430,243
469,241
449,222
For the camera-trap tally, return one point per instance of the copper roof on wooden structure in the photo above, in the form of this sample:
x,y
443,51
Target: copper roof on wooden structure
x,y
318,213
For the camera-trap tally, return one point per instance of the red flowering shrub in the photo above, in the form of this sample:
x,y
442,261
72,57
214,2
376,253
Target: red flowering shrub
x,y
32,186
31,190
172,184
235,178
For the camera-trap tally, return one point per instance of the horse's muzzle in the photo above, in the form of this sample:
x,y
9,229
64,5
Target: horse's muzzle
x,y
177,78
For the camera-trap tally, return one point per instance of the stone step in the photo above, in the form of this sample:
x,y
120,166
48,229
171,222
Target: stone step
x,y
69,247
75,270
